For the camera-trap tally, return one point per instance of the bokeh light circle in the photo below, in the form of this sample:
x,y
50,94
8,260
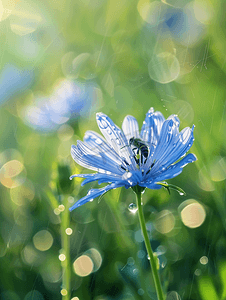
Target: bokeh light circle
x,y
204,181
192,213
164,67
62,257
164,222
218,169
43,240
83,266
22,194
204,260
173,296
68,231
149,12
12,170
63,292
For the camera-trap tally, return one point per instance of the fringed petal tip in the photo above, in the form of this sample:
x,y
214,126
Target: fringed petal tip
x,y
192,157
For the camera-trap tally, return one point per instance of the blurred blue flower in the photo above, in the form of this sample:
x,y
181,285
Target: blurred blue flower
x,y
13,81
69,99
166,21
182,24
120,161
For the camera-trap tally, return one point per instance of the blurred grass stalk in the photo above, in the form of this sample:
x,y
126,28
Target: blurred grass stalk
x,y
65,242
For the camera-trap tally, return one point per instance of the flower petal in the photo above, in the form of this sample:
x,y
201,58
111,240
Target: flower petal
x,y
114,136
102,178
100,163
169,151
130,127
151,186
151,128
168,137
98,145
180,147
93,193
176,169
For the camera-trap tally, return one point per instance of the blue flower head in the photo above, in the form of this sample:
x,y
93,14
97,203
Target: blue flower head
x,y
129,158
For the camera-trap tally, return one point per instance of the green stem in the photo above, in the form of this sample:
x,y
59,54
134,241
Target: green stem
x,y
148,247
65,242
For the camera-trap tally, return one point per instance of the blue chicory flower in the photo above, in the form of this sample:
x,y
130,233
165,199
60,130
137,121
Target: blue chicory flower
x,y
157,155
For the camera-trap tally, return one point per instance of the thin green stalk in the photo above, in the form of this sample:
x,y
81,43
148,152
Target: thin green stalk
x,y
158,286
65,242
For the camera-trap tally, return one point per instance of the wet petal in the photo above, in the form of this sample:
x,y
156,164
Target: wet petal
x,y
176,169
130,127
102,178
93,193
151,185
151,128
180,147
168,137
99,145
114,136
99,163
175,149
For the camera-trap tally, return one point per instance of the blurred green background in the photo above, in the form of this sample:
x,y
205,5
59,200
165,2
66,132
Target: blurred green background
x,y
63,61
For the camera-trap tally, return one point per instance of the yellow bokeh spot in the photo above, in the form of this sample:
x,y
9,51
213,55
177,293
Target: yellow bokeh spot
x,y
83,266
24,19
203,10
43,240
62,257
9,174
56,211
96,258
204,180
12,168
164,222
61,207
63,292
193,214
68,231
75,298
218,169
19,195
204,260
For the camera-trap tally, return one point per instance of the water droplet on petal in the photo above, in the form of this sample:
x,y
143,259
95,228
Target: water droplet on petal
x,y
181,193
98,141
133,208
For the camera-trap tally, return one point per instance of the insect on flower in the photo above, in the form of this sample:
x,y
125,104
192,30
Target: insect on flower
x,y
142,148
129,158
